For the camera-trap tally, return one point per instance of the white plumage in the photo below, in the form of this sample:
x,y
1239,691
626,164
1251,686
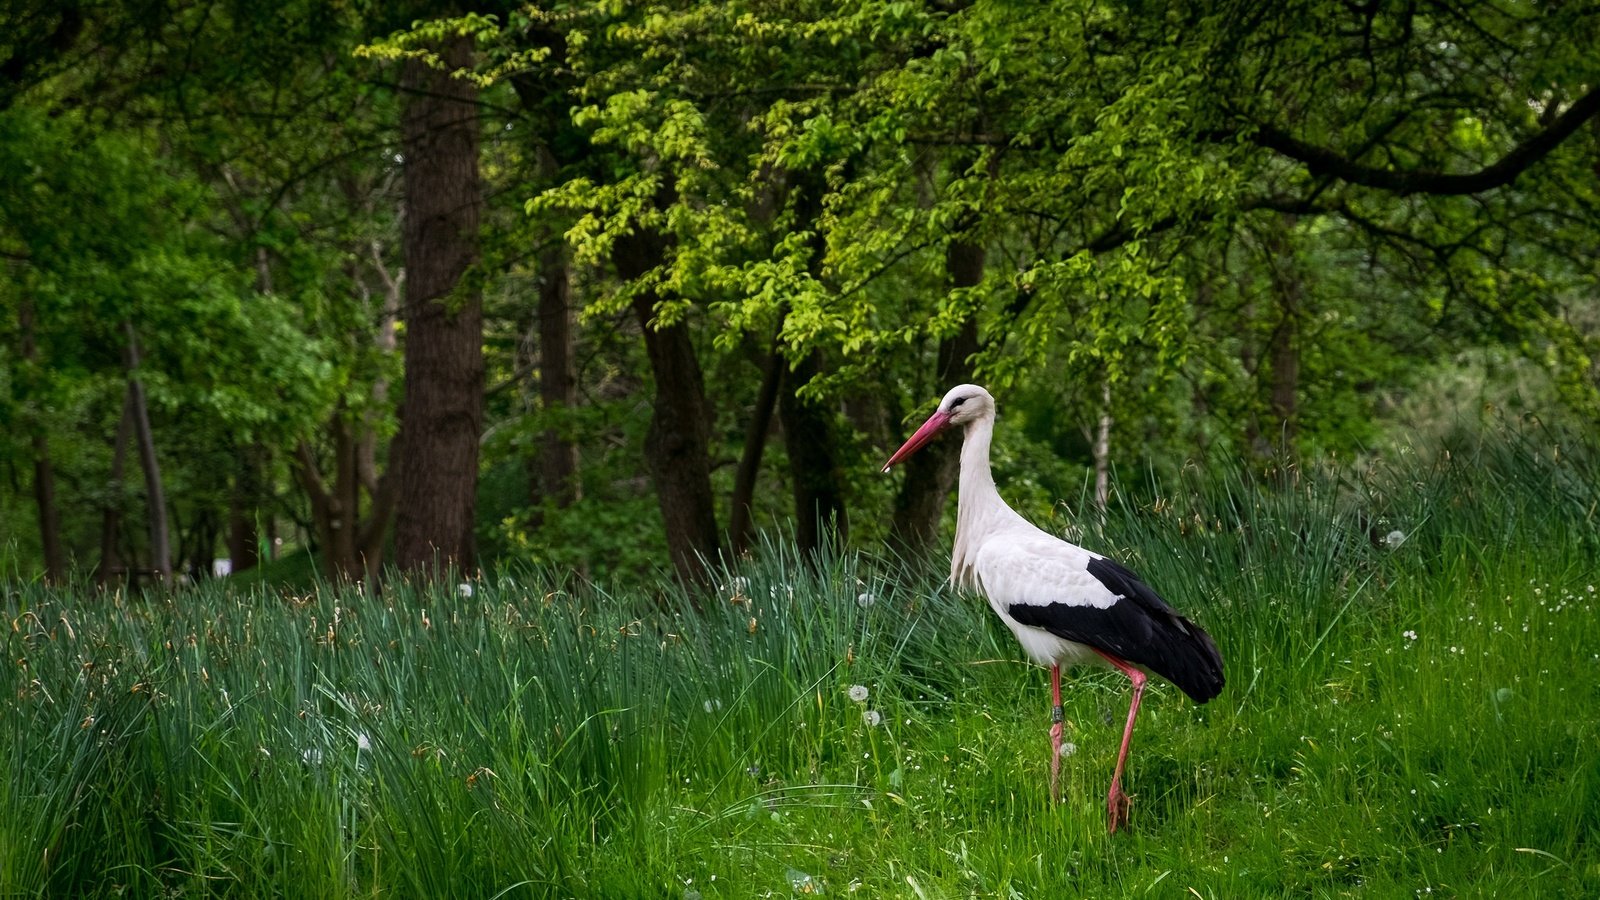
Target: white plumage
x,y
1066,605
1023,570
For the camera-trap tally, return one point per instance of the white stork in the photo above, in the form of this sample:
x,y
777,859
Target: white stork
x,y
1065,604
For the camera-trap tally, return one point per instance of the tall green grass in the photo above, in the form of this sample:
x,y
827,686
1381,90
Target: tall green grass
x,y
538,739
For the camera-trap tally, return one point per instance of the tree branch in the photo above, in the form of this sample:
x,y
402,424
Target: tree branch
x,y
1323,161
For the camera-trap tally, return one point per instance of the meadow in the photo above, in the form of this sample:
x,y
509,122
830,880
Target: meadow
x,y
1413,708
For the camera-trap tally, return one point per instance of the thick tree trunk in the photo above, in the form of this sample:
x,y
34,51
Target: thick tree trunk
x,y
741,525
44,476
144,439
677,445
931,474
558,381
808,431
442,413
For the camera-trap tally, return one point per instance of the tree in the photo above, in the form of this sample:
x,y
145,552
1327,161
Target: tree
x,y
441,416
677,446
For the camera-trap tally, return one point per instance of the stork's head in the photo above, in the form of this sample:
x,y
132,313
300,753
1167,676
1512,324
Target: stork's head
x,y
963,405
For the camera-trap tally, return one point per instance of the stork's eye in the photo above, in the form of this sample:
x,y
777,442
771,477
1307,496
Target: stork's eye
x,y
957,402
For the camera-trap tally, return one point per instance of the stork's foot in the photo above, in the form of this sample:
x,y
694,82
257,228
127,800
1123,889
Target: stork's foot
x,y
1117,806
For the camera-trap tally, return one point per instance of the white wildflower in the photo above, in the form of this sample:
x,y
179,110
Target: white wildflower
x,y
1394,539
1409,635
465,589
865,599
872,717
858,693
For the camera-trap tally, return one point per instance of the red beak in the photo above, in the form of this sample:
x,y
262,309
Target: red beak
x,y
933,426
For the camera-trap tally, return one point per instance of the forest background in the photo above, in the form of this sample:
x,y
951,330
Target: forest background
x,y
616,286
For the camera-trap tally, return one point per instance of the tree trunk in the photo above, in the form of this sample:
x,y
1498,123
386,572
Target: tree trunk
x,y
44,476
334,513
44,496
197,545
1102,454
742,527
442,412
558,381
931,474
1282,381
808,431
677,445
1284,353
244,505
111,513
351,546
155,496
350,542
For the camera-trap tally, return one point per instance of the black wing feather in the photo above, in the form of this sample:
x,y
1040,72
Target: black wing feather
x,y
1140,628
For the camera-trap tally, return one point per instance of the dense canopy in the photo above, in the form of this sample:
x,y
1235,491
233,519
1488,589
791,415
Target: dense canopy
x,y
465,284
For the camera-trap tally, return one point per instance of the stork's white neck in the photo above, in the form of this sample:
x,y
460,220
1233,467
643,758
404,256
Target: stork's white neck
x,y
980,510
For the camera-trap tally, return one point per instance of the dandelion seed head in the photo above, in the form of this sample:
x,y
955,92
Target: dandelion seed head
x,y
872,718
858,692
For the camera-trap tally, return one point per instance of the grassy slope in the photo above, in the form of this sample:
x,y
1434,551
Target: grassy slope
x,y
556,744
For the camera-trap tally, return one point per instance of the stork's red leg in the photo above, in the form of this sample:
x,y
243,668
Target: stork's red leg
x,y
1116,801
1057,716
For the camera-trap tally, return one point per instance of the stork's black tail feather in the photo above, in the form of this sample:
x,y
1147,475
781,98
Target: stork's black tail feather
x,y
1171,646
1192,663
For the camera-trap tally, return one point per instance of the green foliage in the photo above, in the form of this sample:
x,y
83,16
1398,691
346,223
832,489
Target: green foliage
x,y
1234,231
1104,151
